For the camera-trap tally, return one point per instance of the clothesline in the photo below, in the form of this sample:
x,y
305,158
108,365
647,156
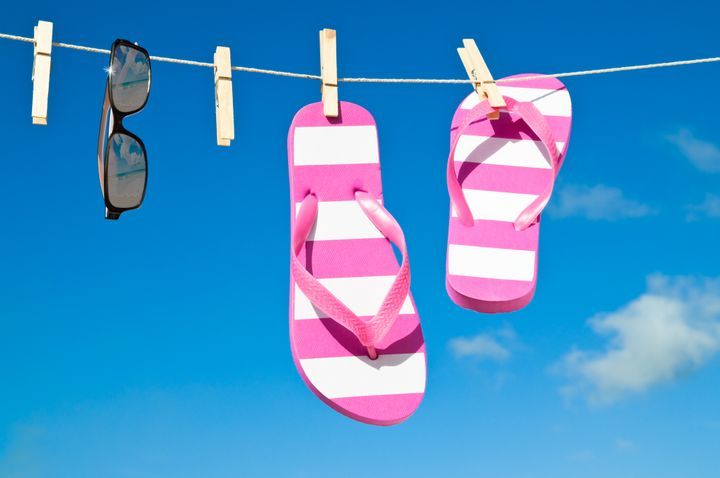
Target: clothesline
x,y
289,74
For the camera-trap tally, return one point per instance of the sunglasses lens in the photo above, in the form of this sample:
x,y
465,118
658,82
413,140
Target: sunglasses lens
x,y
126,171
129,78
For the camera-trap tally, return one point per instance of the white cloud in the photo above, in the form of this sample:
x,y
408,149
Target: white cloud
x,y
710,208
704,155
597,203
673,328
484,346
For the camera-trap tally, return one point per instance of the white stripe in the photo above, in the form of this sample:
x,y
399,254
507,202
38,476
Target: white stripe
x,y
341,220
496,206
362,295
327,145
339,377
491,263
524,153
548,102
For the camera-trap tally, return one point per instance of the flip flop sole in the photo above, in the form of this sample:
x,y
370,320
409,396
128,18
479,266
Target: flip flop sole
x,y
332,158
502,167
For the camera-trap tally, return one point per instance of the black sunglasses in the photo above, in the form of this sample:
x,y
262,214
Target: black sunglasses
x,y
122,158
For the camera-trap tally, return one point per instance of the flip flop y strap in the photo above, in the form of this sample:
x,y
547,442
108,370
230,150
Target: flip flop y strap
x,y
369,332
539,125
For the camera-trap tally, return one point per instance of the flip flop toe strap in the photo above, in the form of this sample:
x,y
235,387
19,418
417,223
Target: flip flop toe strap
x,y
369,332
539,125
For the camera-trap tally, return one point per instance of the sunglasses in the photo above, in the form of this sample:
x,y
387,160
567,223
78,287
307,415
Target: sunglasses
x,y
122,158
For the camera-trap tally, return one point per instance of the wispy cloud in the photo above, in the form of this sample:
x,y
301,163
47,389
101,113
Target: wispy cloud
x,y
709,208
582,456
596,203
703,154
712,424
491,346
673,328
625,446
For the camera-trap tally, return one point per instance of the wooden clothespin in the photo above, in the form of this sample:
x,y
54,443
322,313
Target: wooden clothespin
x,y
480,76
224,117
328,72
41,71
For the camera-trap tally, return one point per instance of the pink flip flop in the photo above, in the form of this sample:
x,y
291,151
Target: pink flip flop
x,y
500,177
354,330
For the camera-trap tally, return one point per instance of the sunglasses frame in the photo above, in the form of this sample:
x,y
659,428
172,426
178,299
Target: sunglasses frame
x,y
116,116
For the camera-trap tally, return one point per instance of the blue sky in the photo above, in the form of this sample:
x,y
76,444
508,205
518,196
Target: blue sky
x,y
157,346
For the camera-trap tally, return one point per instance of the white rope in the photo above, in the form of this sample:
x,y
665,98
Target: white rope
x,y
430,81
81,48
599,71
16,38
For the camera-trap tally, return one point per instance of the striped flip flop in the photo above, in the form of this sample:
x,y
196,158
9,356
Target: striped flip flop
x,y
500,177
354,330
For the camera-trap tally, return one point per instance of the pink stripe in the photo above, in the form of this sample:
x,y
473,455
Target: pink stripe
x,y
507,127
337,182
350,258
350,115
511,179
319,338
517,301
546,83
491,290
494,234
385,409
